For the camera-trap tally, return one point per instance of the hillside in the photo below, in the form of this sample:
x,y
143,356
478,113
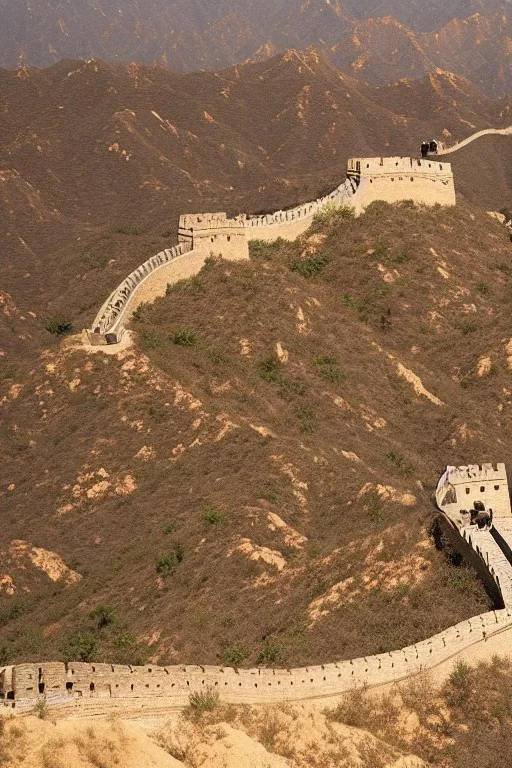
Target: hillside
x,y
98,160
372,40
252,482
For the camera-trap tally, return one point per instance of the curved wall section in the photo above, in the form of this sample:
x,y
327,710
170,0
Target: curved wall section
x,y
88,689
390,179
107,327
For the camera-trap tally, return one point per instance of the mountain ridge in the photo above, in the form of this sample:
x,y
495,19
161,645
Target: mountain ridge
x,y
471,38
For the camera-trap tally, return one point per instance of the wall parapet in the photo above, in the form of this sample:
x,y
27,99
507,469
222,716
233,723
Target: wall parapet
x,y
107,327
216,234
82,688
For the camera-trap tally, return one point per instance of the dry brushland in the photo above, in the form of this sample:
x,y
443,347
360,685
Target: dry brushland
x,y
251,482
464,722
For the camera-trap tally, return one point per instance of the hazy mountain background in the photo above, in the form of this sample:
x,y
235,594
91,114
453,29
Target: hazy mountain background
x,y
368,39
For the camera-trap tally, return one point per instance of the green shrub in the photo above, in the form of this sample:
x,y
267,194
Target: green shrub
x,y
169,528
505,268
306,416
269,368
58,325
329,369
466,326
203,701
194,285
184,337
400,463
460,683
80,647
267,492
167,564
211,514
333,212
234,657
308,266
347,300
104,615
209,263
138,312
483,288
265,248
270,654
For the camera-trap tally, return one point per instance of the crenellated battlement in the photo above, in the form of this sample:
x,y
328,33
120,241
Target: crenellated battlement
x,y
201,235
78,688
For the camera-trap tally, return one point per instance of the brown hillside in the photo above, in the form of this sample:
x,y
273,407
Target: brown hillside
x,y
97,160
483,171
252,482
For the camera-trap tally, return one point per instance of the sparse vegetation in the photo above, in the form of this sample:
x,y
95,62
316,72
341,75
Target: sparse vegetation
x,y
104,615
211,514
329,369
332,213
310,265
201,702
193,285
126,229
234,657
271,654
399,462
466,326
306,416
58,325
183,337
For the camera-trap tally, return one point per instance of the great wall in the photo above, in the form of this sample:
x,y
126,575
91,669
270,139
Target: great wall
x,y
85,690
94,689
392,179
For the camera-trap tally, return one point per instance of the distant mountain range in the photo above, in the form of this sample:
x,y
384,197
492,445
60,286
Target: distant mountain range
x,y
371,40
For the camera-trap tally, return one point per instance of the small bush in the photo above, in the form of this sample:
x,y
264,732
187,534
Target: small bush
x,y
104,615
138,312
167,564
211,514
400,463
209,263
58,325
168,528
373,506
306,416
329,369
184,337
80,647
505,268
309,266
483,288
459,683
234,657
264,247
194,285
333,212
269,368
466,326
267,492
347,300
203,701
270,654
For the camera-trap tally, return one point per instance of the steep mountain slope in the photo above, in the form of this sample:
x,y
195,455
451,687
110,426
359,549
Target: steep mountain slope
x,y
98,160
373,40
251,483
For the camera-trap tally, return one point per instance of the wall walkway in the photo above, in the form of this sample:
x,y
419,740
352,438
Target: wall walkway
x,y
391,179
474,136
78,689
